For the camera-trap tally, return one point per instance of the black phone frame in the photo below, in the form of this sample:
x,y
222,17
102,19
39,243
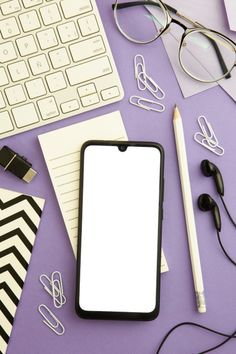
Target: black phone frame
x,y
105,315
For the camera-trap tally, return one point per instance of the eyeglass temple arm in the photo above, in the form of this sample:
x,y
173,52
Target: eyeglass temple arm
x,y
137,3
220,58
215,46
125,5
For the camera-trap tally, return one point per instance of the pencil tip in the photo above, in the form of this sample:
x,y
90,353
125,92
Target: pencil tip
x,y
176,112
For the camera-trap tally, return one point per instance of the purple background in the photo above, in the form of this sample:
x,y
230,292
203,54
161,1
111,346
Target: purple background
x,y
52,249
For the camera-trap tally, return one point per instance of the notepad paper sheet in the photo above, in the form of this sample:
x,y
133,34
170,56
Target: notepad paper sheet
x,y
61,149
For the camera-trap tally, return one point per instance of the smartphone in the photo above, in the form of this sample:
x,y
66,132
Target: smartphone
x,y
120,221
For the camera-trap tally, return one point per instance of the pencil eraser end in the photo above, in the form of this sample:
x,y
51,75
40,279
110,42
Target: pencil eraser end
x,y
202,309
201,304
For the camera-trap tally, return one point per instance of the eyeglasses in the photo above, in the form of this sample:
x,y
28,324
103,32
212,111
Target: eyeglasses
x,y
205,55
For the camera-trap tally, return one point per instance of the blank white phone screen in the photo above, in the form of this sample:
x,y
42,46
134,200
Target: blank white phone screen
x,y
120,208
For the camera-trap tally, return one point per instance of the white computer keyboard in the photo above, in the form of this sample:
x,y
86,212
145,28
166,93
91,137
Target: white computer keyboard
x,y
55,62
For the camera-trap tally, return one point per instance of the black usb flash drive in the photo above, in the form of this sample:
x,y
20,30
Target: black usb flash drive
x,y
16,164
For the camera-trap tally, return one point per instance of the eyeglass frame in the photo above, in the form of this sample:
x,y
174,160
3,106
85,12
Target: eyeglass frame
x,y
169,19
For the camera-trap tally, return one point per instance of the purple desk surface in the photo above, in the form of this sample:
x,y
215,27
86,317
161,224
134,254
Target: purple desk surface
x,y
52,250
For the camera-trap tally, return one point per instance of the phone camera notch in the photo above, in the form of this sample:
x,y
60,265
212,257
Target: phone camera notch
x,y
122,148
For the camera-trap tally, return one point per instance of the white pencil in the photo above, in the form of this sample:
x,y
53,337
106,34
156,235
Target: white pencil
x,y
188,210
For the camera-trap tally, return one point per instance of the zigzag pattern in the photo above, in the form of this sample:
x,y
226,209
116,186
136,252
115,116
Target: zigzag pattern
x,y
18,233
19,199
20,214
16,245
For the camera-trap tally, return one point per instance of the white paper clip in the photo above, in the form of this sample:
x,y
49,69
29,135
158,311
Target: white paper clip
x,y
137,101
144,81
139,69
51,320
58,296
207,131
151,85
207,137
200,139
54,287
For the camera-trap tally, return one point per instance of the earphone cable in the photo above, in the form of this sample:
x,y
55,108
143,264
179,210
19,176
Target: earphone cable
x,y
219,345
227,211
223,249
228,336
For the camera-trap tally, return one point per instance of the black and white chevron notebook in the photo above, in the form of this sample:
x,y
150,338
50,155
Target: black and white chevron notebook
x,y
19,220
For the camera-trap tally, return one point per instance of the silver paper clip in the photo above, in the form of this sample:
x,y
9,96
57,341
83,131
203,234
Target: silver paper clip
x,y
56,288
51,320
207,137
137,101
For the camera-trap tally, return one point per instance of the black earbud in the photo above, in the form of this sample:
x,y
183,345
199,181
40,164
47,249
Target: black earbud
x,y
209,169
206,203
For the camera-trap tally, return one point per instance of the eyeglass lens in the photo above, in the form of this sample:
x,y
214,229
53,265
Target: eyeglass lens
x,y
202,51
137,23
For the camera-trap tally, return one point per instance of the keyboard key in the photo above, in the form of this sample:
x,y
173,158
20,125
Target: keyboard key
x,y
25,115
26,45
50,14
39,64
7,52
59,58
15,94
67,32
47,38
69,106
73,8
29,21
9,28
88,25
88,48
89,71
110,92
48,108
3,77
18,71
56,81
10,7
50,66
86,90
31,3
2,102
90,100
5,122
35,88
